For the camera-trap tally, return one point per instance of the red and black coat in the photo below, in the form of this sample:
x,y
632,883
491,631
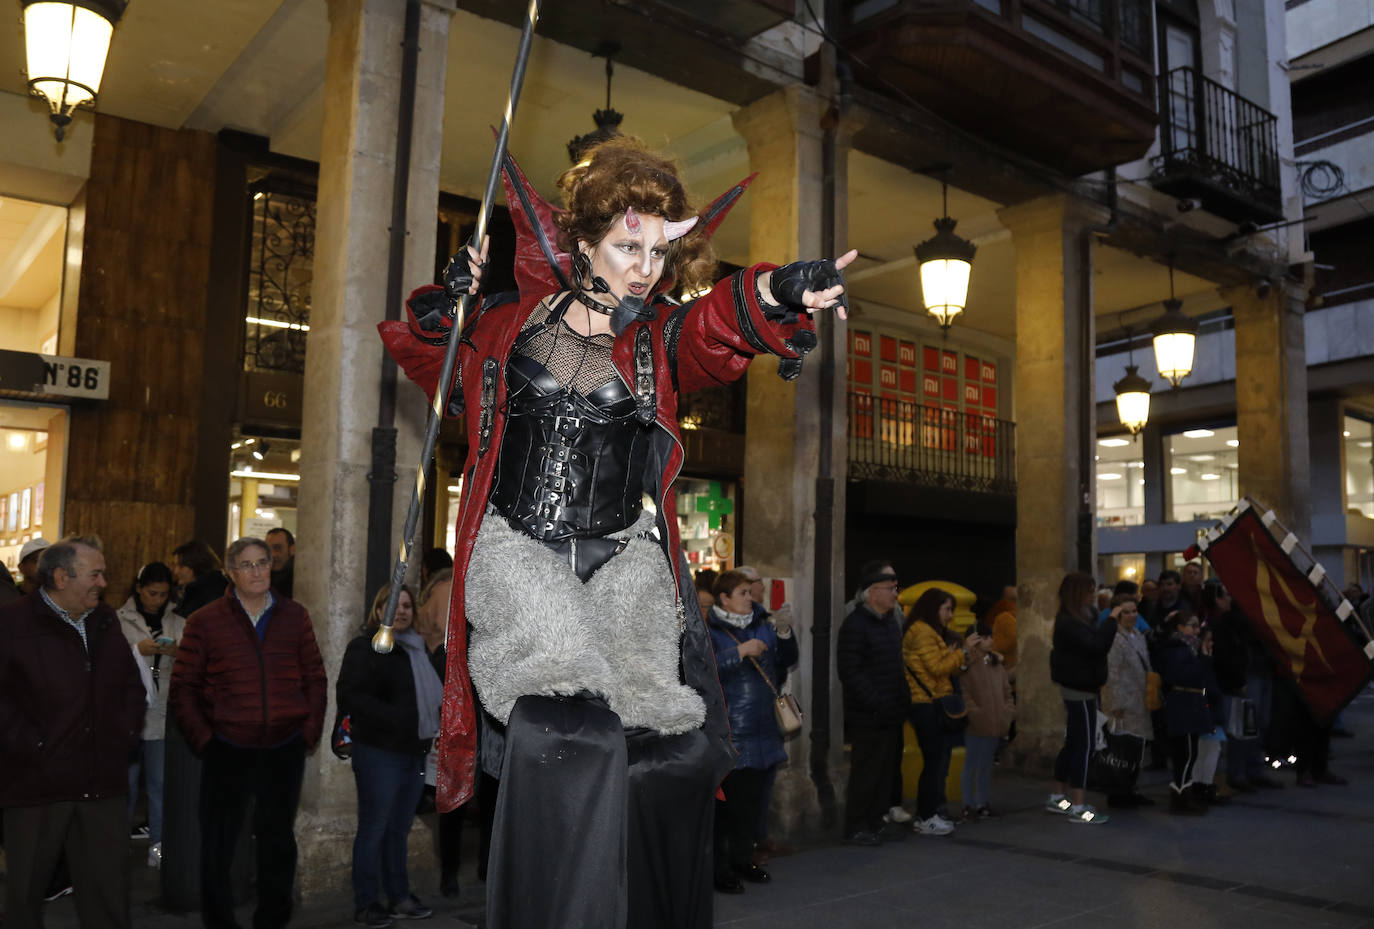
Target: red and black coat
x,y
252,694
708,342
71,715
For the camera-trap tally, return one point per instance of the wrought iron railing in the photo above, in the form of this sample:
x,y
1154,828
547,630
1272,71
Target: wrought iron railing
x,y
1207,128
280,272
897,440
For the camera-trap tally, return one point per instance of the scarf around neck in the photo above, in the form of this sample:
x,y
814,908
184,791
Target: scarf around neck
x,y
429,690
739,621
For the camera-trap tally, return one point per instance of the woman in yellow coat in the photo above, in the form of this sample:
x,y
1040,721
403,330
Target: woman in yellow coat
x,y
934,656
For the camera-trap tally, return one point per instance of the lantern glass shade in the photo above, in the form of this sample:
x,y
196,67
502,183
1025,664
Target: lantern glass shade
x,y
944,287
1175,337
66,44
946,262
1132,400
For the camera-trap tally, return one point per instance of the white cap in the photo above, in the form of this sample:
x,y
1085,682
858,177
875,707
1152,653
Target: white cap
x,y
33,547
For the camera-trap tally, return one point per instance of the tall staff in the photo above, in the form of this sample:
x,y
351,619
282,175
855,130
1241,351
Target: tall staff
x,y
383,641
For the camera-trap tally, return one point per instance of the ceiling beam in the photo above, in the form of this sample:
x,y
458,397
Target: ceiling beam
x,y
46,223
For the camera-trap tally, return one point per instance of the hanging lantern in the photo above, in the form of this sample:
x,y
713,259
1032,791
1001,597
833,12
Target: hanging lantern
x,y
1175,336
946,262
67,42
1132,400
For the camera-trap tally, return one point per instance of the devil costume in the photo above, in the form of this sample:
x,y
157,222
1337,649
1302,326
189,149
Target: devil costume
x,y
573,609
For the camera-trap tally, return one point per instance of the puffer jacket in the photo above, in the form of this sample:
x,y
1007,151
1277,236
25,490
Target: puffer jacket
x,y
135,629
1078,660
868,657
748,699
252,694
70,715
927,657
1123,696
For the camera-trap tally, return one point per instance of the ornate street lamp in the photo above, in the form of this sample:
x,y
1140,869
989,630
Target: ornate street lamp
x,y
945,261
1132,400
607,120
1175,337
67,41
1132,394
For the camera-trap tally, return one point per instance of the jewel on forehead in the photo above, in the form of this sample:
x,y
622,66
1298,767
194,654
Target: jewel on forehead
x,y
632,222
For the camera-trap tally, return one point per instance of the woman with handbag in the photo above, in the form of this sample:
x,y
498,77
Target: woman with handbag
x,y
750,654
934,657
392,702
1078,664
1124,698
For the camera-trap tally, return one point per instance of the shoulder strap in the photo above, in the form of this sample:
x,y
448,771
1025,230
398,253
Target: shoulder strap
x,y
916,677
757,667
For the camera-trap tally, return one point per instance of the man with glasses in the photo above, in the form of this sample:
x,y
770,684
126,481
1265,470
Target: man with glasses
x,y
248,690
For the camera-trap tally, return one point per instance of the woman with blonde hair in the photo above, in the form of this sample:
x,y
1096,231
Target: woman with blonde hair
x,y
392,702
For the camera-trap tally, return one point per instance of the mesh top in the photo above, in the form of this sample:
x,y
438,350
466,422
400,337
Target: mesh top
x,y
580,362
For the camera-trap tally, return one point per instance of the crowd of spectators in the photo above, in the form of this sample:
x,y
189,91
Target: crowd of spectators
x,y
220,648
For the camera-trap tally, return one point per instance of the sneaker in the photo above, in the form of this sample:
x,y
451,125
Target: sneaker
x,y
1058,803
57,894
372,915
1086,815
939,818
897,815
155,855
410,908
139,832
933,826
987,812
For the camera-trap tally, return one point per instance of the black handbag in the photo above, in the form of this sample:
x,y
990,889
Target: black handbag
x,y
949,709
1114,769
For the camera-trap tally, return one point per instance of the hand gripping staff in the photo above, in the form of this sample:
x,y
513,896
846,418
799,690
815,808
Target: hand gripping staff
x,y
383,641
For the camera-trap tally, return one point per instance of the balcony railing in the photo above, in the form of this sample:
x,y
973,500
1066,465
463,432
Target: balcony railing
x,y
913,443
1211,133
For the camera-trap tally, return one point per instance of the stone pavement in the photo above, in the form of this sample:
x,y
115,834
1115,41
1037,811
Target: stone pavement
x,y
1280,859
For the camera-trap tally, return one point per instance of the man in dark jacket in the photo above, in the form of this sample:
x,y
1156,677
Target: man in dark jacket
x,y
248,690
868,656
71,714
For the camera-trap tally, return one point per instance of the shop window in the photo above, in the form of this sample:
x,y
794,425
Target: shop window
x,y
32,459
1125,567
264,480
32,239
706,522
1359,467
1200,467
280,274
1120,482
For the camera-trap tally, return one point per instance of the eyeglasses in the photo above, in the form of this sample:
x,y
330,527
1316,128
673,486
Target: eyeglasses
x,y
249,567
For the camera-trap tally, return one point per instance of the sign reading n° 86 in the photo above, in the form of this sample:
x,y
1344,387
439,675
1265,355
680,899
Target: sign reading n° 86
x,y
75,377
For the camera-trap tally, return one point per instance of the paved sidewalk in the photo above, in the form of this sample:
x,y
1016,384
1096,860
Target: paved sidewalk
x,y
1272,860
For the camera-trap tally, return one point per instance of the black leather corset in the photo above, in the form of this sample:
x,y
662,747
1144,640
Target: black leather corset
x,y
571,464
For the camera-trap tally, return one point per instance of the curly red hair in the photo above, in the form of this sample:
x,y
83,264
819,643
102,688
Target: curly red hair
x,y
622,173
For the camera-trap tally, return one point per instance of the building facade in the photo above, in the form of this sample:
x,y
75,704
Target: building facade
x,y
224,235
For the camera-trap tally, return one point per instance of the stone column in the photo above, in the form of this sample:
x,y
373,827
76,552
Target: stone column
x,y
784,133
1053,322
344,353
1271,402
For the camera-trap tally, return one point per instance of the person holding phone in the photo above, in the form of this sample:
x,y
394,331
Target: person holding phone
x,y
153,629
